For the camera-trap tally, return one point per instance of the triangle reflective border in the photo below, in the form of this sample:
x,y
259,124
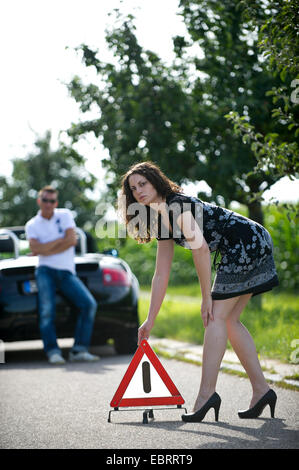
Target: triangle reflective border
x,y
142,379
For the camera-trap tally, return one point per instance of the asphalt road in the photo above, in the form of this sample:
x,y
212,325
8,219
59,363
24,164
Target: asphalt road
x,y
66,407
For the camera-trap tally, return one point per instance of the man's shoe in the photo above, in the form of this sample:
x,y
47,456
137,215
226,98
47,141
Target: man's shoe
x,y
83,356
56,359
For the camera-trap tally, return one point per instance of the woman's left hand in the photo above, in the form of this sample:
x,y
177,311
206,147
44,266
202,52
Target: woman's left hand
x,y
144,331
207,310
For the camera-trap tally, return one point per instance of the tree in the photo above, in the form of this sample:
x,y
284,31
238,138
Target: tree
x,y
148,110
277,23
236,79
63,168
144,112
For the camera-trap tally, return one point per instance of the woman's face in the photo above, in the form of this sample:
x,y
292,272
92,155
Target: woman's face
x,y
142,190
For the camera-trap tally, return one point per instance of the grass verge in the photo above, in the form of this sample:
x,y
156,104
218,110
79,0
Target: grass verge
x,y
273,327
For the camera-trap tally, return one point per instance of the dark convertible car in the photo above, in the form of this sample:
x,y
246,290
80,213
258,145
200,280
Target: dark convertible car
x,y
108,277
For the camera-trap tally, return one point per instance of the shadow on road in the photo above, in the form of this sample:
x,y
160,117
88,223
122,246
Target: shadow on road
x,y
272,433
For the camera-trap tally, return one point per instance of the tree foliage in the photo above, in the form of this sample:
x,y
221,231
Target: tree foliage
x,y
143,110
244,70
62,168
277,24
236,80
174,115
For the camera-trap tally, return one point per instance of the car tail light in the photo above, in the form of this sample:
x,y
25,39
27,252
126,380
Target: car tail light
x,y
115,277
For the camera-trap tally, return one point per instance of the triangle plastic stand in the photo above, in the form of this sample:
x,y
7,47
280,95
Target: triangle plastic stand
x,y
173,397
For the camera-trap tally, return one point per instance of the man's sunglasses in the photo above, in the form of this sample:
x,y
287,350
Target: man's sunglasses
x,y
52,201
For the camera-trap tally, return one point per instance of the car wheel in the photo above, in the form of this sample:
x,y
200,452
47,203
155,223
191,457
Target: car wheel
x,y
127,343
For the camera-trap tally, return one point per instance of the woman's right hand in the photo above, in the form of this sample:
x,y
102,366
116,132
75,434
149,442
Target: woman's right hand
x,y
144,331
207,310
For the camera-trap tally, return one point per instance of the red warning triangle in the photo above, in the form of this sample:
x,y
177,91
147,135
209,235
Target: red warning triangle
x,y
139,384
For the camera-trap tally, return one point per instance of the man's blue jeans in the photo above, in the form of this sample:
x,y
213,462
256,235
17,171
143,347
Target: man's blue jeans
x,y
48,280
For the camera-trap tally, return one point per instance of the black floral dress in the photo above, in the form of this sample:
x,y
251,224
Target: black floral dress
x,y
246,247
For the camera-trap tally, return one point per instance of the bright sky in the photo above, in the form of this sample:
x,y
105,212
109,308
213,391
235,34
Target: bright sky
x,y
35,64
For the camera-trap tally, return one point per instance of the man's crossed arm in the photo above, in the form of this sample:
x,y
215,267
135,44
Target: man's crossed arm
x,y
54,247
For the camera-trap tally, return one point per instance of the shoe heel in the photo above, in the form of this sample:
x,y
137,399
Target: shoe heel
x,y
216,409
272,405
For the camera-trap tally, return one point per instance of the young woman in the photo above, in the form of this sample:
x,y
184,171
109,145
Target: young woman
x,y
246,268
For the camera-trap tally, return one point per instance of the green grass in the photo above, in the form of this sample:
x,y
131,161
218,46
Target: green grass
x,y
273,327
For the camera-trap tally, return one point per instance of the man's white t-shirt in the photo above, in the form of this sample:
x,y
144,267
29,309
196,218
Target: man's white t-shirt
x,y
48,230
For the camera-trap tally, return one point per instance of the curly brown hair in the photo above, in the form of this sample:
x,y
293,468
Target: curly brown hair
x,y
164,187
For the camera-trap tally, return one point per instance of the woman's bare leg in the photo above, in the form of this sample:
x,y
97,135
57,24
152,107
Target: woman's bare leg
x,y
244,347
214,347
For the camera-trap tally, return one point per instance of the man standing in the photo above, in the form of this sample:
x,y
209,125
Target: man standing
x,y
51,235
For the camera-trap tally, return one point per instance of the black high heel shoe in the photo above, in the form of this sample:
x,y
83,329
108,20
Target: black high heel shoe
x,y
268,399
213,402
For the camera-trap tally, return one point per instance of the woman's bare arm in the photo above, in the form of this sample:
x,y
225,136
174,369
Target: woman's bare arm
x,y
165,250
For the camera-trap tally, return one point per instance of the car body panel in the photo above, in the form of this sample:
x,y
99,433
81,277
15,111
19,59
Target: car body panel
x,y
117,312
